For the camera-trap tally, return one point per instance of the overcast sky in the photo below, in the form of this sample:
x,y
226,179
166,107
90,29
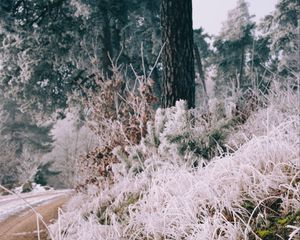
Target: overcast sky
x,y
209,14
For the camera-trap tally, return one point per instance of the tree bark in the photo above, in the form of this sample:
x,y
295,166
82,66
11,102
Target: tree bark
x,y
200,69
178,58
241,71
107,49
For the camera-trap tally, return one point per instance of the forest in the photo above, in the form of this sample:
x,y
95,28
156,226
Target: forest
x,y
162,130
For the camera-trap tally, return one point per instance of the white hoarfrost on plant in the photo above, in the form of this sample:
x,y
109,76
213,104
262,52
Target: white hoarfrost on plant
x,y
233,196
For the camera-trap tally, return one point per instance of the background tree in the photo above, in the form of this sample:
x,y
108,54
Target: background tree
x,y
202,55
178,58
49,49
53,51
72,141
25,140
8,164
35,43
44,171
232,46
260,65
282,29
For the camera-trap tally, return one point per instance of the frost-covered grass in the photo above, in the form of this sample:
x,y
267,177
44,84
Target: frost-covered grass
x,y
253,193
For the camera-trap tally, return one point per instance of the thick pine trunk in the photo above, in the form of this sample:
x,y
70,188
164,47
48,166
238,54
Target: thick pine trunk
x,y
178,58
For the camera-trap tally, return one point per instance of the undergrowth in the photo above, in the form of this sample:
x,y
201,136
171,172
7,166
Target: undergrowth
x,y
196,175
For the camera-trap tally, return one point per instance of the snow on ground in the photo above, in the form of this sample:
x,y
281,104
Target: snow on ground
x,y
13,204
35,188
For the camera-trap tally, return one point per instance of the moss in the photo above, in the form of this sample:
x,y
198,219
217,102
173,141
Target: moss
x,y
276,226
274,222
291,218
263,233
283,221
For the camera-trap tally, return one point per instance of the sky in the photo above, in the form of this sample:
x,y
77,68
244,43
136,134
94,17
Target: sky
x,y
210,14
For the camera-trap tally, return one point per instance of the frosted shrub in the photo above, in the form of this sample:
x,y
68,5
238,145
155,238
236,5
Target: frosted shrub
x,y
231,198
278,106
122,118
251,193
160,143
118,114
181,137
28,166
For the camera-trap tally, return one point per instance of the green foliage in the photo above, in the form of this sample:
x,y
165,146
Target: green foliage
x,y
43,172
102,215
180,136
53,52
35,66
233,44
282,29
23,142
201,40
205,146
264,233
275,221
231,61
248,205
50,49
21,131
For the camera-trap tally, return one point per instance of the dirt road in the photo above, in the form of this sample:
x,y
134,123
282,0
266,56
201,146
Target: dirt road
x,y
23,226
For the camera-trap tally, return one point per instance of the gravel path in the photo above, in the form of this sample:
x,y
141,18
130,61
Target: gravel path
x,y
23,226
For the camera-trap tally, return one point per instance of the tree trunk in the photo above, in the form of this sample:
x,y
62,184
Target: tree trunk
x,y
241,71
107,49
200,69
178,58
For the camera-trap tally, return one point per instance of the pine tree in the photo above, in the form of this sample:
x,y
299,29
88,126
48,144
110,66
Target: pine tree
x,y
51,49
202,55
25,140
232,45
44,172
282,29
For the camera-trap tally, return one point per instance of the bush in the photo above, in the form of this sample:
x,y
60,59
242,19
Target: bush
x,y
119,113
27,187
44,172
156,192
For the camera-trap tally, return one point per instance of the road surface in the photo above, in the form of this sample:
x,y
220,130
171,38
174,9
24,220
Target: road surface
x,y
19,222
